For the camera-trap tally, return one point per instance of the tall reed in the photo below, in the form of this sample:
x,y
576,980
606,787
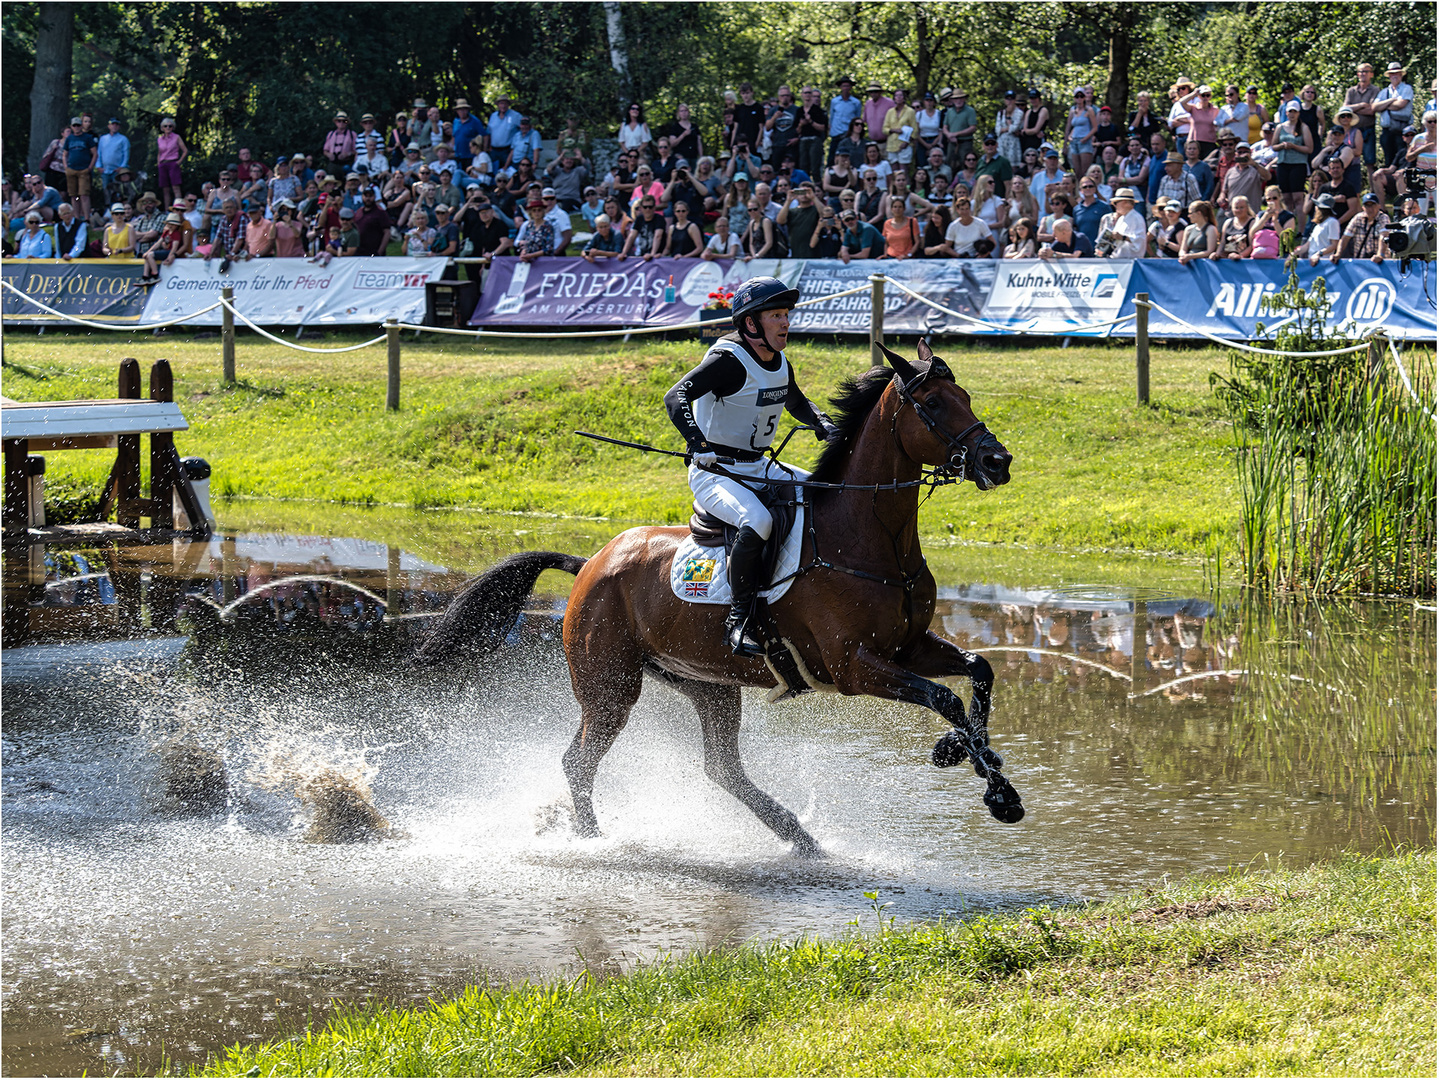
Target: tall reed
x,y
1336,463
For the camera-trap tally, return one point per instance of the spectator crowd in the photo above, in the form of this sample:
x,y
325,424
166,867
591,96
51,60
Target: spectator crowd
x,y
1204,172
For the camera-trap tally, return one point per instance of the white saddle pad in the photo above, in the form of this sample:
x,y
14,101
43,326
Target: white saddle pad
x,y
698,573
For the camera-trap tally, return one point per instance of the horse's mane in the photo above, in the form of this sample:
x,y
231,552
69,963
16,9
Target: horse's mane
x,y
852,404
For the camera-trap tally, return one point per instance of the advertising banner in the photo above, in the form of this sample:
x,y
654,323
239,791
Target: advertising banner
x,y
296,292
104,290
958,284
1040,296
1225,298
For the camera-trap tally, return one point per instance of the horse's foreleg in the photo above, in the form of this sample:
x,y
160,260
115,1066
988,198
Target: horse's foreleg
x,y
599,727
932,657
868,673
719,709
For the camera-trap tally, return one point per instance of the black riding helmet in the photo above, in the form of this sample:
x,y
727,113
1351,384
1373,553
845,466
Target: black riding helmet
x,y
758,295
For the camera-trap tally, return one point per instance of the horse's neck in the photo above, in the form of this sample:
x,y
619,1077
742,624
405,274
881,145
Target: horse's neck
x,y
875,525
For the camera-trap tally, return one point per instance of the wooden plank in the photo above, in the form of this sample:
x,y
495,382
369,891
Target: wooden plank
x,y
57,419
75,442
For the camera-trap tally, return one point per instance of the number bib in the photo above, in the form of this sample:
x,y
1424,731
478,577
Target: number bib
x,y
748,417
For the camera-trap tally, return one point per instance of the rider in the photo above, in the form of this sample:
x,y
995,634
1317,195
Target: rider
x,y
727,409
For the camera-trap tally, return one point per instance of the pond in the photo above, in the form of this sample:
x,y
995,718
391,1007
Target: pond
x,y
1154,729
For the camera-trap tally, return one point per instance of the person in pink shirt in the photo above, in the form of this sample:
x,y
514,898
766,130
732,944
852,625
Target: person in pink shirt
x,y
340,143
259,234
173,153
876,108
1203,114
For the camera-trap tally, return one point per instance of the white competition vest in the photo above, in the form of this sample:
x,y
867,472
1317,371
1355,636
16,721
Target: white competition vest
x,y
747,418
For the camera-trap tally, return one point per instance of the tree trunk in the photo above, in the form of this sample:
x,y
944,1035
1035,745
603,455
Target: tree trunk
x,y
50,92
924,56
1121,49
619,51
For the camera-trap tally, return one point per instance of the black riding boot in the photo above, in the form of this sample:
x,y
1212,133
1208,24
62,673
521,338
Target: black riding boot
x,y
744,560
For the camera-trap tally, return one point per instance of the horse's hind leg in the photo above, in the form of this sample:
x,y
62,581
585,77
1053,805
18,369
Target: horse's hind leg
x,y
719,709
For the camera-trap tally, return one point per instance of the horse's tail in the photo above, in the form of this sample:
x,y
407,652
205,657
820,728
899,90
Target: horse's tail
x,y
481,615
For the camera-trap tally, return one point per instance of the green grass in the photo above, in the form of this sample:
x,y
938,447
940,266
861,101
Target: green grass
x,y
1324,971
490,427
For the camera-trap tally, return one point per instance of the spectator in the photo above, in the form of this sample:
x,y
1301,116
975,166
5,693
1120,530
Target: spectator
x,y
1233,115
914,204
591,207
749,118
782,122
1394,106
119,236
848,200
1311,114
81,151
574,138
646,186
620,181
193,213
290,231
968,170
800,221
372,223
487,233
1324,238
1204,120
1275,215
851,143
992,162
1286,95
558,218
901,233
861,240
398,139
1143,124
1050,175
114,152
1122,230
606,243
253,187
258,240
1089,212
52,163
1059,206
646,236
665,161
1107,134
500,130
466,128
1266,154
927,128
221,194
525,144
1347,119
967,236
989,208
736,203
1197,167
1167,231
420,238
284,185
35,242
1021,202
812,126
71,234
1179,122
933,244
1079,130
1421,154
828,237
922,183
874,161
1236,239
1342,196
149,222
899,128
1096,173
569,178
1036,119
1134,171
1007,124
1201,239
447,234
1021,240
339,145
370,156
723,244
683,239
844,109
1364,238
172,243
875,110
763,194
1157,164
1243,179
762,237
1176,184
1068,243
684,136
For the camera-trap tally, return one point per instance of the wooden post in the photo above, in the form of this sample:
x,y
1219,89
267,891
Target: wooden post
x,y
227,335
127,453
392,344
164,471
1141,346
876,318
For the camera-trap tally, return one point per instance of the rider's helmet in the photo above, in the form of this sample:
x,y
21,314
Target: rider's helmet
x,y
757,295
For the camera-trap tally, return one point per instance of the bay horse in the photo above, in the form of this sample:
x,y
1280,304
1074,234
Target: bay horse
x,y
856,618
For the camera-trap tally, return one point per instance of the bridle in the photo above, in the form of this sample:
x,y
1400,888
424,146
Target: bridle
x,y
956,468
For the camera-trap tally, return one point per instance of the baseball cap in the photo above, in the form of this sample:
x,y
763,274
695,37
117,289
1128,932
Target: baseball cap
x,y
1292,106
1369,197
848,215
297,157
845,80
990,138
1051,153
346,212
742,176
547,193
113,120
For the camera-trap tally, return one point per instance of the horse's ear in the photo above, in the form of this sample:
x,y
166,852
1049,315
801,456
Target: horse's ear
x,y
906,370
926,354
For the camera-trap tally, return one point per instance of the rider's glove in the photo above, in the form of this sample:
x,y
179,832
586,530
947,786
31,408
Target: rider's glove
x,y
705,459
826,429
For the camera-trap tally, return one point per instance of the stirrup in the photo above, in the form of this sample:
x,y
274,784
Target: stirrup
x,y
741,639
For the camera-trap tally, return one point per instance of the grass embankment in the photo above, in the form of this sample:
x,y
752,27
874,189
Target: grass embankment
x,y
490,427
1325,971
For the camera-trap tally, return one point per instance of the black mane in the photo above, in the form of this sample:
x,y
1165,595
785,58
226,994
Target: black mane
x,y
851,406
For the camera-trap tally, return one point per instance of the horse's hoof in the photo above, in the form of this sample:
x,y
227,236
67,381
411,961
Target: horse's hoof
x,y
949,751
1003,800
1009,813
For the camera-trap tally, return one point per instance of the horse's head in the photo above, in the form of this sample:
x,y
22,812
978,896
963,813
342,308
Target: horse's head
x,y
936,424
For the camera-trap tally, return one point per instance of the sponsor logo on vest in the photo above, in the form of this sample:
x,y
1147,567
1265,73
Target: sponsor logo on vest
x,y
775,395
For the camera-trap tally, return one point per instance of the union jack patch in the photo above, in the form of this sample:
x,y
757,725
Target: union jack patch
x,y
697,588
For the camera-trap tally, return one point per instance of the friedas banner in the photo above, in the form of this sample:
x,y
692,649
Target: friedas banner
x,y
104,290
296,292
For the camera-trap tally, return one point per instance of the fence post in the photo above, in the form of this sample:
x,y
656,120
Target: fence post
x,y
227,335
1141,346
392,344
876,318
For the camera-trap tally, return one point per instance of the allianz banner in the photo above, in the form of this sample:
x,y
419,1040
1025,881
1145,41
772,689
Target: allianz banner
x,y
104,290
1226,298
296,292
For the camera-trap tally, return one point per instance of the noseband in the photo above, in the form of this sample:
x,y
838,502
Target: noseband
x,y
956,468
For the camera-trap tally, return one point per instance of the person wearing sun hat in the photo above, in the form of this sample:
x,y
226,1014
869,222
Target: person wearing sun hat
x,y
340,142
1394,106
1122,230
875,108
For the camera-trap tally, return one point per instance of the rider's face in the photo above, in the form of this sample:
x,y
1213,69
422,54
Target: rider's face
x,y
775,325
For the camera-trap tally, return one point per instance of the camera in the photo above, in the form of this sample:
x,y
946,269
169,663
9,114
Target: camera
x,y
1411,238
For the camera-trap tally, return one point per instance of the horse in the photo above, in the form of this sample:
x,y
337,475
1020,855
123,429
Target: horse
x,y
856,619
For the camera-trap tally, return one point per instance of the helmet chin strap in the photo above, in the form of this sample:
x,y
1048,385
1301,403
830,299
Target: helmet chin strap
x,y
762,336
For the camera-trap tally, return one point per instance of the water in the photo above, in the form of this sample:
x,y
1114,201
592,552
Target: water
x,y
130,928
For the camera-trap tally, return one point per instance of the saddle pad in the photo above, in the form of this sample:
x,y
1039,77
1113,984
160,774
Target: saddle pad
x,y
698,573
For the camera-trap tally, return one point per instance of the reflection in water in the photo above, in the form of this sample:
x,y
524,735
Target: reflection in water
x,y
1150,735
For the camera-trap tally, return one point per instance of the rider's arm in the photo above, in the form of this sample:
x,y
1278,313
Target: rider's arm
x,y
803,410
719,373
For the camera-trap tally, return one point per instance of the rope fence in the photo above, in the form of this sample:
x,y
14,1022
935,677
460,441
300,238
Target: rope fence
x,y
106,326
1151,305
233,310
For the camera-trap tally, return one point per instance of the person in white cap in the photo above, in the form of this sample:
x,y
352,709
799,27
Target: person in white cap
x,y
119,241
1122,230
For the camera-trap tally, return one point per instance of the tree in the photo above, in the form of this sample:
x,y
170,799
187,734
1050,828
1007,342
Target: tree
x,y
50,91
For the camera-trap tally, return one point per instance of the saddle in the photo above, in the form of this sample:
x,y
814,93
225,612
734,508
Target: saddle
x,y
710,531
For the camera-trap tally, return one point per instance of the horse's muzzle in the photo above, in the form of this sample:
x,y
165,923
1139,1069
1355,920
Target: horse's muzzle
x,y
991,464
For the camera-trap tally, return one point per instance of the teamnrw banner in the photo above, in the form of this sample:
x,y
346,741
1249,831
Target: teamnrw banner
x,y
296,292
104,290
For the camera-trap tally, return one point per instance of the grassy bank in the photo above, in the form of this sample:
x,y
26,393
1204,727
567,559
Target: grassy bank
x,y
490,427
1325,971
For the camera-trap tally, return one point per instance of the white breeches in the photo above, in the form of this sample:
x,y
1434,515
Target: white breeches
x,y
731,501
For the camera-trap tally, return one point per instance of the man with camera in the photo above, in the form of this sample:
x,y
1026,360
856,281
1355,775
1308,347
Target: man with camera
x,y
682,188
